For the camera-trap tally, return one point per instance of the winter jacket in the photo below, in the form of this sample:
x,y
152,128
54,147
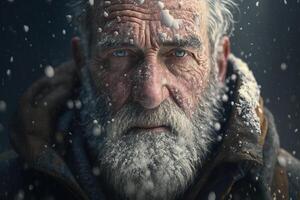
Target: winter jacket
x,y
247,163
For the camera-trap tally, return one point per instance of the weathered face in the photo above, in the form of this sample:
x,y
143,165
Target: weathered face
x,y
149,52
152,100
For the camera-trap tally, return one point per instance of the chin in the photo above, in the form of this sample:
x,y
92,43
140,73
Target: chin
x,y
149,165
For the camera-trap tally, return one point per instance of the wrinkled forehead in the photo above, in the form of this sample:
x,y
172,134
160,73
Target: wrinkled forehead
x,y
168,17
153,5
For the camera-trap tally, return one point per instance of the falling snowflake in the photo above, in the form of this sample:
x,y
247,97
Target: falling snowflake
x,y
8,72
26,28
2,106
69,18
96,171
49,71
283,66
105,14
78,104
282,161
212,196
217,126
70,104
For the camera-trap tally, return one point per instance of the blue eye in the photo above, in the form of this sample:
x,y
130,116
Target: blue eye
x,y
180,53
120,53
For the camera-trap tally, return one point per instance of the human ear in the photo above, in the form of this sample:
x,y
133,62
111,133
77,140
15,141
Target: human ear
x,y
222,57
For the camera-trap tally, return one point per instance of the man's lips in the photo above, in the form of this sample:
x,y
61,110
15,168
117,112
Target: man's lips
x,y
152,129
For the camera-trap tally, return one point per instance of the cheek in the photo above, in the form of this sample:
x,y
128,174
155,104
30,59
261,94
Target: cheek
x,y
194,77
115,87
119,93
197,76
189,83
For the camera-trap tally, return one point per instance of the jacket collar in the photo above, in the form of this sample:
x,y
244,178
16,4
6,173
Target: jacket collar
x,y
244,132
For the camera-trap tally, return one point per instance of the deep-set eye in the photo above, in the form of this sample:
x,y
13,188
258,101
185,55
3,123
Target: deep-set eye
x,y
120,53
179,53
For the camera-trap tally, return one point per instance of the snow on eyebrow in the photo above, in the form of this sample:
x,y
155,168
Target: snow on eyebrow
x,y
183,41
114,41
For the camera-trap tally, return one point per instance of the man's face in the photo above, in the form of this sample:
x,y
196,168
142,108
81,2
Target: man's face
x,y
152,97
147,53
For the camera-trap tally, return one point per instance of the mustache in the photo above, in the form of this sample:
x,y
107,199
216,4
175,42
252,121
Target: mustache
x,y
131,116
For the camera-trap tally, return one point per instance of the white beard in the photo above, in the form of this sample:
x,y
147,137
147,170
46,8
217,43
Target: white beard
x,y
150,165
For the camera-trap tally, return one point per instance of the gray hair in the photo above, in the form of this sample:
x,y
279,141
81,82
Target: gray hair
x,y
221,20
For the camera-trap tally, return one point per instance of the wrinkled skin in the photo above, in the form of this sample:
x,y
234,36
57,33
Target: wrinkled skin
x,y
143,69
152,69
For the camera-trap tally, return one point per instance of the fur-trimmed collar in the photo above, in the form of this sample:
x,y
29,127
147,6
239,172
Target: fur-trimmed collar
x,y
240,152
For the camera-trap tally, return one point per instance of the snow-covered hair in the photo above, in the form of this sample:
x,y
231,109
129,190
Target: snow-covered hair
x,y
220,18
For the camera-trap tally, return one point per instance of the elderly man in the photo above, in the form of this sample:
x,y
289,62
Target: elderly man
x,y
153,106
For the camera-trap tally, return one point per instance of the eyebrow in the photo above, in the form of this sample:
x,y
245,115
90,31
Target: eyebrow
x,y
190,41
110,42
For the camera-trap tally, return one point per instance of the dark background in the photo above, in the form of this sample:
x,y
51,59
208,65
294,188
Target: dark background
x,y
267,36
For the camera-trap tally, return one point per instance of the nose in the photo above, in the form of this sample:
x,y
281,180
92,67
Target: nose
x,y
150,90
